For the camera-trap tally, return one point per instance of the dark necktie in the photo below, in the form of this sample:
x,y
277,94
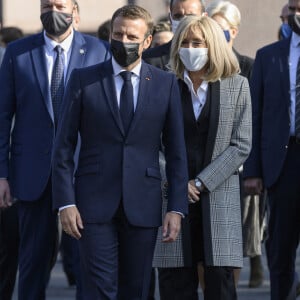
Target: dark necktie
x,y
57,82
126,100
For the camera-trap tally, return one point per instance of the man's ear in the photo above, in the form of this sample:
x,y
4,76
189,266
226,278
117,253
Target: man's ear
x,y
147,42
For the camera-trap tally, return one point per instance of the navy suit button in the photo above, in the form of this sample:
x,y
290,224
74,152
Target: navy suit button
x,y
286,146
47,151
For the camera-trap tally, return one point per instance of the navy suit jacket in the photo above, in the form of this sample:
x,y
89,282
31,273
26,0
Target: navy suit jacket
x,y
25,95
270,86
113,166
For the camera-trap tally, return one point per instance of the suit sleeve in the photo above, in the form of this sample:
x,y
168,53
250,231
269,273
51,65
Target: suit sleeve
x,y
228,162
252,167
65,144
175,153
7,110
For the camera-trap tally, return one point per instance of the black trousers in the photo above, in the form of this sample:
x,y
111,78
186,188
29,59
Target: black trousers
x,y
182,283
9,248
178,283
284,226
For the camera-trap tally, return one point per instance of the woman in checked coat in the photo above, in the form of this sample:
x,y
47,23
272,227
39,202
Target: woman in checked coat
x,y
217,117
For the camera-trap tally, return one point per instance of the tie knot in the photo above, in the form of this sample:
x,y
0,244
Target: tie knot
x,y
126,75
58,49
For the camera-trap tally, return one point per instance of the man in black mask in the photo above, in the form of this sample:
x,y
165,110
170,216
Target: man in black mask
x,y
33,76
121,108
274,162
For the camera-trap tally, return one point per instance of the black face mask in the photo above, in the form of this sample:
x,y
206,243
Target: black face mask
x,y
124,53
294,22
56,23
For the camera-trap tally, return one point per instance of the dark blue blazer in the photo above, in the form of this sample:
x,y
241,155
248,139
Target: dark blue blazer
x,y
270,86
25,95
114,166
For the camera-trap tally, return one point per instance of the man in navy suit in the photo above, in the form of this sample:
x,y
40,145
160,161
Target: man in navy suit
x,y
115,207
25,152
274,162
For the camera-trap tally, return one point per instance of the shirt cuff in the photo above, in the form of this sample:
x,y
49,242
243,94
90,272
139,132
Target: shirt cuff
x,y
178,213
66,206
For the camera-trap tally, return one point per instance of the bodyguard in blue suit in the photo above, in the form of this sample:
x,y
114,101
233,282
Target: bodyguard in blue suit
x,y
274,161
115,207
25,153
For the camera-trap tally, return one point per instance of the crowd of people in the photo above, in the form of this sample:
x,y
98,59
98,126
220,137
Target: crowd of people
x,y
149,147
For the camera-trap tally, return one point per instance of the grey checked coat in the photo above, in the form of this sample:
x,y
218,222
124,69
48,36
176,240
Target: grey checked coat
x,y
228,146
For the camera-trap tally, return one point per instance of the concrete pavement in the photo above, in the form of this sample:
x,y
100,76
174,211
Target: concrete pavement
x,y
58,288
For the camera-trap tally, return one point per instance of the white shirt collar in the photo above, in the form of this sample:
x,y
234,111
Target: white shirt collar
x,y
189,83
118,69
65,44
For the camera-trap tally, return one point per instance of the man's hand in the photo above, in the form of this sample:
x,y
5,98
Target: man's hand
x,y
253,186
193,192
71,221
5,197
171,226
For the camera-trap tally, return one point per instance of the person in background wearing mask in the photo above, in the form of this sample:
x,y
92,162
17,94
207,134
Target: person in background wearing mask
x,y
217,124
285,31
33,75
162,34
114,209
228,16
274,161
160,56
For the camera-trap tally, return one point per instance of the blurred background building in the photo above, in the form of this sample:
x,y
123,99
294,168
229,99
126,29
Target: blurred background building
x,y
260,19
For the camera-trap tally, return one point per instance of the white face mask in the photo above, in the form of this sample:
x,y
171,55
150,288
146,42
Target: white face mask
x,y
194,59
174,24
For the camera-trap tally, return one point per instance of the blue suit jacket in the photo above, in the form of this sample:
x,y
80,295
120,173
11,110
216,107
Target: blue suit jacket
x,y
25,95
113,166
270,86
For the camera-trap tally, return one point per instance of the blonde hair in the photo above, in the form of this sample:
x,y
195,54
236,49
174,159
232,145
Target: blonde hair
x,y
222,62
226,10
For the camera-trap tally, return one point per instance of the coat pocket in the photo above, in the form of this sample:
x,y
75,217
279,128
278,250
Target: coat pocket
x,y
153,172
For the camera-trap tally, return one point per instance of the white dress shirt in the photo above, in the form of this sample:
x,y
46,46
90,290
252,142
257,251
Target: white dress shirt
x,y
51,54
135,80
199,96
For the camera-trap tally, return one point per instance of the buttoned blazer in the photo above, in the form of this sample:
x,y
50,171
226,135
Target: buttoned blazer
x,y
25,95
270,93
113,166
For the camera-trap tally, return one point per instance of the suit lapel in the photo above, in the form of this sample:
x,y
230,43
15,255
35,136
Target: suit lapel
x,y
110,93
284,68
214,94
143,96
78,53
39,62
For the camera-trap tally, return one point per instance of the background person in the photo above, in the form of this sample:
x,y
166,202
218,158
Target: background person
x,y
160,56
162,34
31,90
274,161
9,231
